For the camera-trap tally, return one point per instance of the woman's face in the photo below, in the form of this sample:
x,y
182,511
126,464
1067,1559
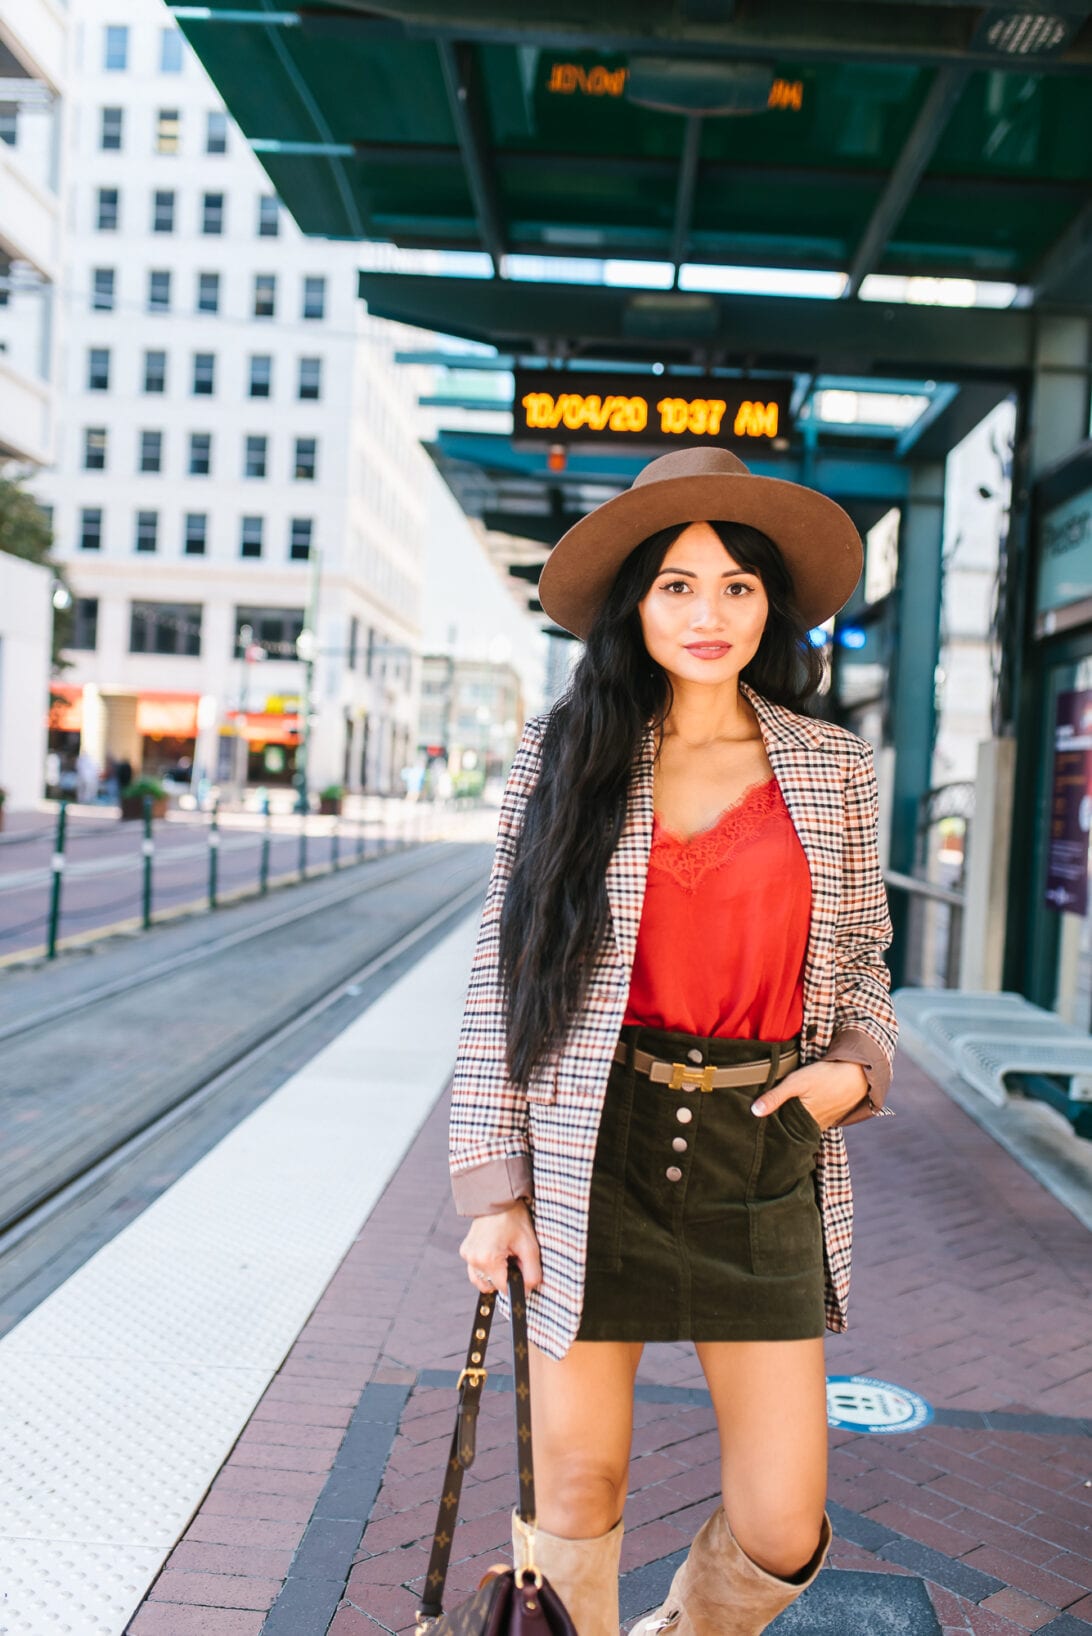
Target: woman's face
x,y
703,616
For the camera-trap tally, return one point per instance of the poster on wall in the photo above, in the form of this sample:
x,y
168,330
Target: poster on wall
x,y
1070,804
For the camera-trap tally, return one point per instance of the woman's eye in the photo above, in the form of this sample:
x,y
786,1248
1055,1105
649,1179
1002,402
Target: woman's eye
x,y
737,585
671,584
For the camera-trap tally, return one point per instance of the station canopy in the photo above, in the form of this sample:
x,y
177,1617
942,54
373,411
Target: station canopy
x,y
613,173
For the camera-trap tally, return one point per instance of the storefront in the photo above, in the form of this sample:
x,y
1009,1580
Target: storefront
x,y
1051,902
267,739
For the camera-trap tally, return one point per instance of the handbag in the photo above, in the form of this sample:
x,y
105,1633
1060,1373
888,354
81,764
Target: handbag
x,y
516,1601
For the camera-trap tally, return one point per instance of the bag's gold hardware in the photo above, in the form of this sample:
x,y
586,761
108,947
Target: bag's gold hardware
x,y
526,1534
682,1076
476,1377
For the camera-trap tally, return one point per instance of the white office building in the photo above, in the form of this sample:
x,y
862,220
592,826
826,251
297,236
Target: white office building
x,y
235,440
32,61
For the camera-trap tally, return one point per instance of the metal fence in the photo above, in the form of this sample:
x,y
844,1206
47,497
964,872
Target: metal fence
x,y
236,855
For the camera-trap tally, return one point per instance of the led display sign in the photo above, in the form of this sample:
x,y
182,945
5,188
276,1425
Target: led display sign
x,y
553,406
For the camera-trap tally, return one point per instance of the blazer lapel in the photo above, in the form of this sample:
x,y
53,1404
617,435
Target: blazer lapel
x,y
791,744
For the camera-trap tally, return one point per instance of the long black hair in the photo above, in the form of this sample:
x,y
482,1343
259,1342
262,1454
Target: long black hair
x,y
555,916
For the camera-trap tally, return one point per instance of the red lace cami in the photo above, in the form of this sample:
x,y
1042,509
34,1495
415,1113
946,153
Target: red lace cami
x,y
724,925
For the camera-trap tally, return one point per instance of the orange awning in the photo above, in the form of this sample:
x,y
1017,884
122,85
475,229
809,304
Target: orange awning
x,y
174,715
65,714
258,728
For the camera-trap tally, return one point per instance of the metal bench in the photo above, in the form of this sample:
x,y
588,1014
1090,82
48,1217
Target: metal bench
x,y
992,1038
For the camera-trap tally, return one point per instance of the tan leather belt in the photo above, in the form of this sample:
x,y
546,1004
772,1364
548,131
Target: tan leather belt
x,y
682,1076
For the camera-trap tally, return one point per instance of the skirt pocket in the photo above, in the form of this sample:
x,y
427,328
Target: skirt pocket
x,y
786,1232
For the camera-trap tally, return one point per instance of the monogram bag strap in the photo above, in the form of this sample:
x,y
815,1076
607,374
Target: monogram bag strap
x,y
463,1440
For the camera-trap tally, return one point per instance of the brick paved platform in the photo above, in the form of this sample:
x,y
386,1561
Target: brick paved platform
x,y
971,1286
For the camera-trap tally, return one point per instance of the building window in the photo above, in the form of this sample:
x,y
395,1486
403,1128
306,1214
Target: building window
x,y
107,210
306,459
274,629
159,291
204,374
98,369
216,131
212,213
250,539
163,210
269,216
9,125
168,131
310,383
314,298
115,48
155,371
166,627
208,292
265,295
147,530
261,375
354,640
200,454
85,624
111,129
102,289
170,51
254,458
151,452
94,448
299,538
91,528
195,536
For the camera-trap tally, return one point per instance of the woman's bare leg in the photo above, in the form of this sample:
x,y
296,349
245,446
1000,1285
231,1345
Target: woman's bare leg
x,y
770,1402
581,1432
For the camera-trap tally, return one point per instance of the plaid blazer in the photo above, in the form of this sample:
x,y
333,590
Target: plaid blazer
x,y
828,784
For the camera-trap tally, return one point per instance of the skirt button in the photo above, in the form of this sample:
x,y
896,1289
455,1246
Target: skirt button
x,y
673,1173
694,1054
684,1115
680,1144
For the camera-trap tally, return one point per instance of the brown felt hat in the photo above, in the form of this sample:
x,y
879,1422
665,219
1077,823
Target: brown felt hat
x,y
821,547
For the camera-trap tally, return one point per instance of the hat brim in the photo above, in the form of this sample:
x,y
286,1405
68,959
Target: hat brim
x,y
821,547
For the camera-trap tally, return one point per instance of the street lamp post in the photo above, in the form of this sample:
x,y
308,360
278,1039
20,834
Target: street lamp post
x,y
306,650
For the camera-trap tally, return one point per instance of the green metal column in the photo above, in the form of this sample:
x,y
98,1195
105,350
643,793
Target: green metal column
x,y
913,678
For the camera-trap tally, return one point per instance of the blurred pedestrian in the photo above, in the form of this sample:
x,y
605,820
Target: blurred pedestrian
x,y
124,771
686,898
87,777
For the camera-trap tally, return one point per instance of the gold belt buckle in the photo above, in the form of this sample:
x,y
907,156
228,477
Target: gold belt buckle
x,y
681,1076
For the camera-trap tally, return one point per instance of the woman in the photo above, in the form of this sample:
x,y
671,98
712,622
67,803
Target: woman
x,y
677,999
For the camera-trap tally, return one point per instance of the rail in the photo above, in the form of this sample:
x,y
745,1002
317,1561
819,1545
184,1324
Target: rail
x,y
933,936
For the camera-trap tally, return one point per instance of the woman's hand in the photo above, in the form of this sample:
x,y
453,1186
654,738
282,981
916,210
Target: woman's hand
x,y
492,1239
829,1090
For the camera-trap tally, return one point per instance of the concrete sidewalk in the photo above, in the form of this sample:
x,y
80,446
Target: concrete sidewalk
x,y
971,1287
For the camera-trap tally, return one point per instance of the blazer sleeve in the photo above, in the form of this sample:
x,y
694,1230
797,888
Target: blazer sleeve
x,y
866,1030
489,1152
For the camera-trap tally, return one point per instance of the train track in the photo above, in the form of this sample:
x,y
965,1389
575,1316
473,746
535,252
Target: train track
x,y
78,1170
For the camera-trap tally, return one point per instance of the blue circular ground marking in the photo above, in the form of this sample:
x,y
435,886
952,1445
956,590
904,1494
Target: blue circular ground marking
x,y
863,1404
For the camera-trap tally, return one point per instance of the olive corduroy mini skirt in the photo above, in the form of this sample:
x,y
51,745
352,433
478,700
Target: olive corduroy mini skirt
x,y
704,1224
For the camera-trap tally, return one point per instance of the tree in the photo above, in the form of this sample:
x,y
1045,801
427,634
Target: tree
x,y
25,532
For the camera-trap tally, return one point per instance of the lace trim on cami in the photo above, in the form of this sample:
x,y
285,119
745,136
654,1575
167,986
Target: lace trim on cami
x,y
688,861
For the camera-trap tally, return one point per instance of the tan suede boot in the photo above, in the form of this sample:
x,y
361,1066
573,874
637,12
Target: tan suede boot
x,y
720,1591
583,1572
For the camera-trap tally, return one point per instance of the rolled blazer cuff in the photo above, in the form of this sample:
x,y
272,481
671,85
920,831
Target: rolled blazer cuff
x,y
854,1045
493,1186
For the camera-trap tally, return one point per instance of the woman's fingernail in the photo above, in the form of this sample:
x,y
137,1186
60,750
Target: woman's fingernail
x,y
758,1107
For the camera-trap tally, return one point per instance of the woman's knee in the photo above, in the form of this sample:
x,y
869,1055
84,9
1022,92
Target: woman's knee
x,y
582,1499
783,1542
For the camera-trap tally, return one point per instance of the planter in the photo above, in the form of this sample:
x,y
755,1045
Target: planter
x,y
330,805
132,806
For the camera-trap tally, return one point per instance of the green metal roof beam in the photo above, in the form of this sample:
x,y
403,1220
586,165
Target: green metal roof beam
x,y
933,116
464,98
684,197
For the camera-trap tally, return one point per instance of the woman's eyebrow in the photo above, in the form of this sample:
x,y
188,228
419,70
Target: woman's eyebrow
x,y
729,573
